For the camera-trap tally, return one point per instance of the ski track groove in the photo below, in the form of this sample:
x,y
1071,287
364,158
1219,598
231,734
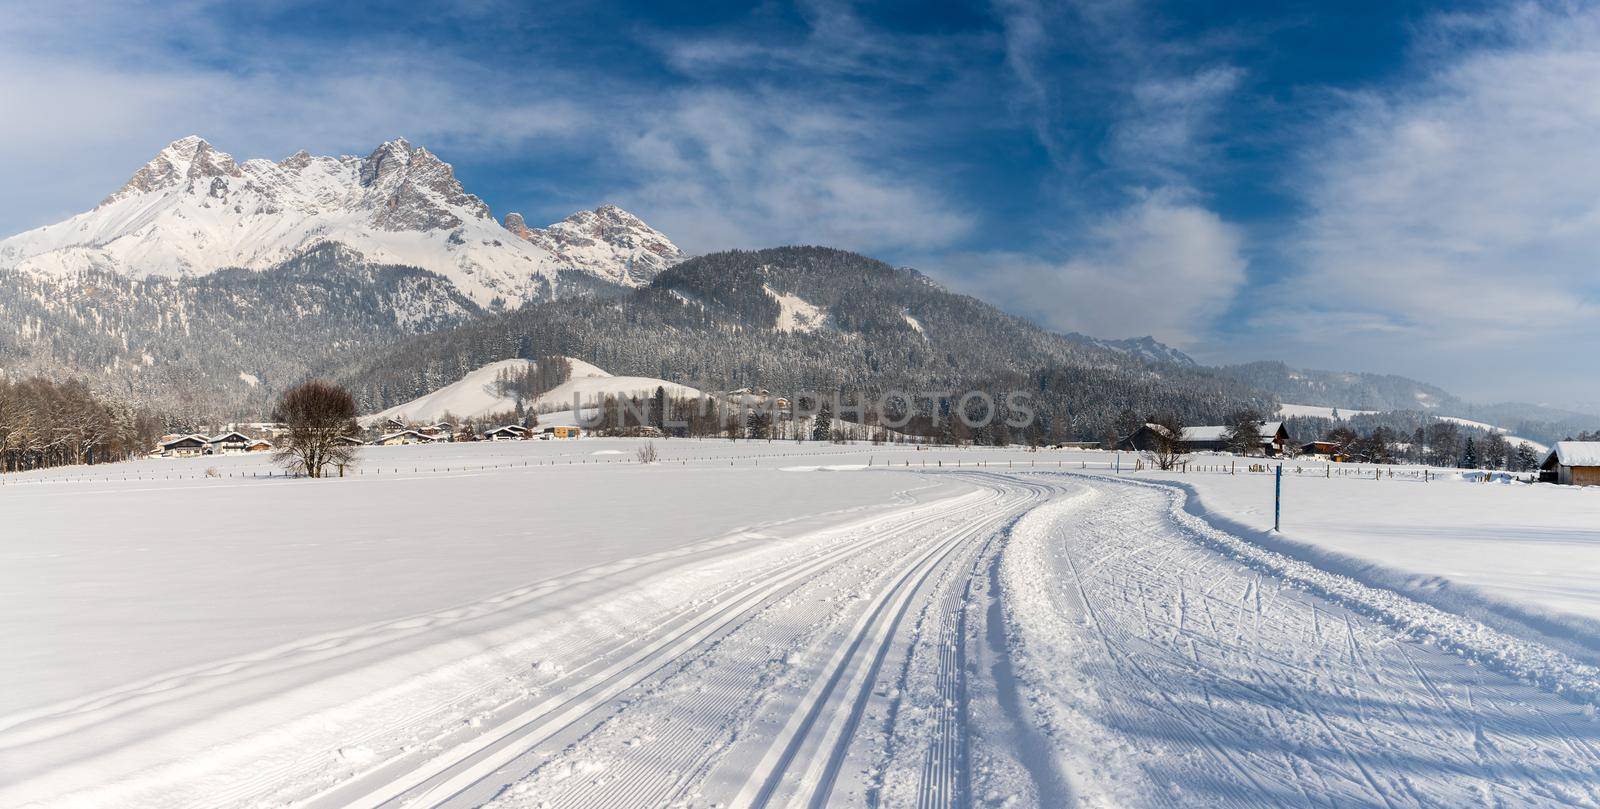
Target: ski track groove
x,y
1195,677
1234,678
869,645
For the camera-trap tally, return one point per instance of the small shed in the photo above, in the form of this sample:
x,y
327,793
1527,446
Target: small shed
x,y
1572,463
1325,449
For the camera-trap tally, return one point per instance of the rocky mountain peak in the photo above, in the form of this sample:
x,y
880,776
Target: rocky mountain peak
x,y
606,237
296,161
191,210
409,188
515,223
180,162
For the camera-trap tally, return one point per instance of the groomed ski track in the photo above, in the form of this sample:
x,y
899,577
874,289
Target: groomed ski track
x,y
1048,639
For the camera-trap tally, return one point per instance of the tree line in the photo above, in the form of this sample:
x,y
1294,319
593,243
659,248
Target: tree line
x,y
44,423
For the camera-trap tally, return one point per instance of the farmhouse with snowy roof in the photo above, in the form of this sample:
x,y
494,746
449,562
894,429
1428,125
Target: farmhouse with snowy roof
x,y
1572,463
509,432
401,438
234,443
186,446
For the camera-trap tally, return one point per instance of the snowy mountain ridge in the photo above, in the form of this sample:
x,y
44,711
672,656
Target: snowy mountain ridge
x,y
192,210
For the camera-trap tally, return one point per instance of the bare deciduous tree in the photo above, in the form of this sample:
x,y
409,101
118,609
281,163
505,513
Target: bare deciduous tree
x,y
1168,449
320,418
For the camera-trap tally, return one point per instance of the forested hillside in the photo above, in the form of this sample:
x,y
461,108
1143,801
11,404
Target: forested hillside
x,y
809,318
222,344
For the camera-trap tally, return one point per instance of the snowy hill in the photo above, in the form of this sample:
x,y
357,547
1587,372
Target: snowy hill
x,y
1321,412
477,395
192,210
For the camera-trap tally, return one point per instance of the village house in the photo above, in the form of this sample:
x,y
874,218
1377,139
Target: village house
x,y
1572,463
401,438
234,443
443,431
509,432
259,445
562,431
186,446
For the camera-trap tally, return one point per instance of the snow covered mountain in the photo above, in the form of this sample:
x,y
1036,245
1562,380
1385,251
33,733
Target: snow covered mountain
x,y
192,210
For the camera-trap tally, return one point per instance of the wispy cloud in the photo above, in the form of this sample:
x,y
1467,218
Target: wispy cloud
x,y
732,170
85,107
1460,209
1160,267
1154,236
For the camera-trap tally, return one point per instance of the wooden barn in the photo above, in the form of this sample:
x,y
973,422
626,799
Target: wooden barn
x,y
1326,450
1208,438
1572,463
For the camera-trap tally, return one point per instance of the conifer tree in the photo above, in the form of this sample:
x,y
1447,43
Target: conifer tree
x,y
822,427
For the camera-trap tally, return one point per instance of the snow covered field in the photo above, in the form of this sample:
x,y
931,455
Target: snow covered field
x,y
1516,555
752,623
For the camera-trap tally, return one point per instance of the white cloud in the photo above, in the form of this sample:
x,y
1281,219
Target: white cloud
x,y
1460,211
1161,266
1170,124
85,106
738,170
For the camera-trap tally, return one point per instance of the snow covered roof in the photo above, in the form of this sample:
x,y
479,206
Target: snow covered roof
x,y
1573,453
1217,432
182,438
413,433
1208,433
233,436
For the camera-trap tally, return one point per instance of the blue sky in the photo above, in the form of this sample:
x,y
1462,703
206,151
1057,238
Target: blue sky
x,y
1383,186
